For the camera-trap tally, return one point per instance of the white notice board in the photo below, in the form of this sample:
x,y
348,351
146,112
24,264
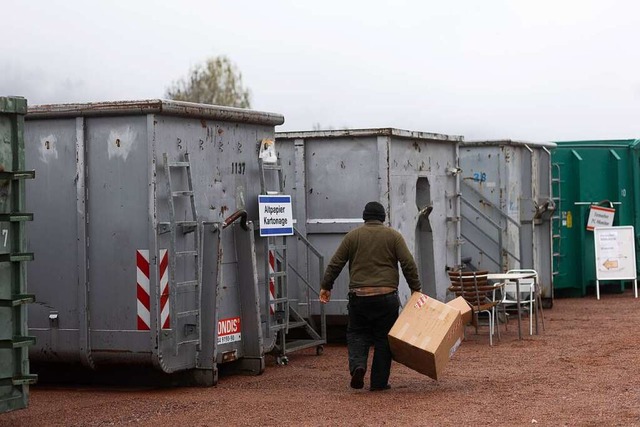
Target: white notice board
x,y
615,253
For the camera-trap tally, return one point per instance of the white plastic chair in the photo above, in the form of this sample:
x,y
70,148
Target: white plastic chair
x,y
528,294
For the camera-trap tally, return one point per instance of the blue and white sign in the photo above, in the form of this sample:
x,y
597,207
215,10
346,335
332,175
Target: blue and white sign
x,y
276,215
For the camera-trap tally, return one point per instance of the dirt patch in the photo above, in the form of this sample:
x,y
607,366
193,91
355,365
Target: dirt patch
x,y
581,371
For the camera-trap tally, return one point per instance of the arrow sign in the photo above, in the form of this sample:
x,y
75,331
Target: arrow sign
x,y
609,264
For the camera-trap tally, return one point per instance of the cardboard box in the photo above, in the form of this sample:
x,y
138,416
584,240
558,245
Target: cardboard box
x,y
426,335
465,309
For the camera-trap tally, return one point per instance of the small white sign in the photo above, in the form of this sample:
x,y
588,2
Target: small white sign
x,y
276,215
600,217
615,253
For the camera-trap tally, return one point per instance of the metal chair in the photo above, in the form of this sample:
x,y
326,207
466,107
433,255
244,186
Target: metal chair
x,y
474,287
529,296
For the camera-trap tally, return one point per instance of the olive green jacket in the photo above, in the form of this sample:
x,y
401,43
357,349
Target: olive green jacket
x,y
373,252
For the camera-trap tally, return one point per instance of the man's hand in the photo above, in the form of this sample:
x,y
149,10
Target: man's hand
x,y
325,296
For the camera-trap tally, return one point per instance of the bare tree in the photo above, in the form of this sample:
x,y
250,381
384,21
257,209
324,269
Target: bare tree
x,y
218,81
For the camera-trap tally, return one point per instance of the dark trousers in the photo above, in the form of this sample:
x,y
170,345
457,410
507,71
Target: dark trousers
x,y
370,320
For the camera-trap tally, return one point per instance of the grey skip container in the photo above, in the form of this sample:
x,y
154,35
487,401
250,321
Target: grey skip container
x,y
507,207
332,174
135,268
15,375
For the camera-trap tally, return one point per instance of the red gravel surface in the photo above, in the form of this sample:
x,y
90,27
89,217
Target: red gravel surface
x,y
582,371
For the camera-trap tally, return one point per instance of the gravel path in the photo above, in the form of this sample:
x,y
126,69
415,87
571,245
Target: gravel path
x,y
582,371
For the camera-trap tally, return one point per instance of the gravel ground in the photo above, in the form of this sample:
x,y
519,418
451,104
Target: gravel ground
x,y
582,371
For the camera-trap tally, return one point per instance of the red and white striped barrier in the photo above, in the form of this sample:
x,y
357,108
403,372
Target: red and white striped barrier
x,y
142,293
164,289
272,282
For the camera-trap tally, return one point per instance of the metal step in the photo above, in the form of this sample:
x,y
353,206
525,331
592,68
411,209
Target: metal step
x,y
296,345
293,325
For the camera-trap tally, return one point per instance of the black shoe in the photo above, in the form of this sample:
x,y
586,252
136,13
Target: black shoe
x,y
386,387
357,378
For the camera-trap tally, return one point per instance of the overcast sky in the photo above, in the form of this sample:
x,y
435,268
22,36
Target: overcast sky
x,y
540,70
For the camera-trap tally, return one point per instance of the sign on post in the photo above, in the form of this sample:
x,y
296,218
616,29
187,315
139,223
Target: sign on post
x,y
615,255
276,215
600,216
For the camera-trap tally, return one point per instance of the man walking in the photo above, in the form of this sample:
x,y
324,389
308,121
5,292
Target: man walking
x,y
373,252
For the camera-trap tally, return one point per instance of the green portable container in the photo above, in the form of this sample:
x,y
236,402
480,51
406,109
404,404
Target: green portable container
x,y
14,363
590,173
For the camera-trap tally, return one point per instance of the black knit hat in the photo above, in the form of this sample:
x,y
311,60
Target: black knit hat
x,y
374,210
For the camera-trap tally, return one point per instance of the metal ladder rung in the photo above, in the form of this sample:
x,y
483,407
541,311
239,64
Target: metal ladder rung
x,y
188,342
188,313
278,300
179,164
187,284
278,274
186,224
278,326
277,247
17,300
18,175
17,342
16,257
271,166
186,253
182,193
19,380
16,217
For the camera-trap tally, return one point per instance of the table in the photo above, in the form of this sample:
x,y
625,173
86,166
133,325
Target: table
x,y
516,277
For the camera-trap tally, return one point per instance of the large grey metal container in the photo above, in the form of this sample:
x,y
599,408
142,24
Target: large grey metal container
x,y
104,223
14,341
331,175
507,207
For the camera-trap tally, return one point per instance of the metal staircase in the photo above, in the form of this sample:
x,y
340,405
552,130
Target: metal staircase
x,y
187,322
281,318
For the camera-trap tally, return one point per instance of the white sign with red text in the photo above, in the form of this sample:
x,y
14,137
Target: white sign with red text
x,y
229,330
600,216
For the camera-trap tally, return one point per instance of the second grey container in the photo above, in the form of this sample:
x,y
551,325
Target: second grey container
x,y
331,175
